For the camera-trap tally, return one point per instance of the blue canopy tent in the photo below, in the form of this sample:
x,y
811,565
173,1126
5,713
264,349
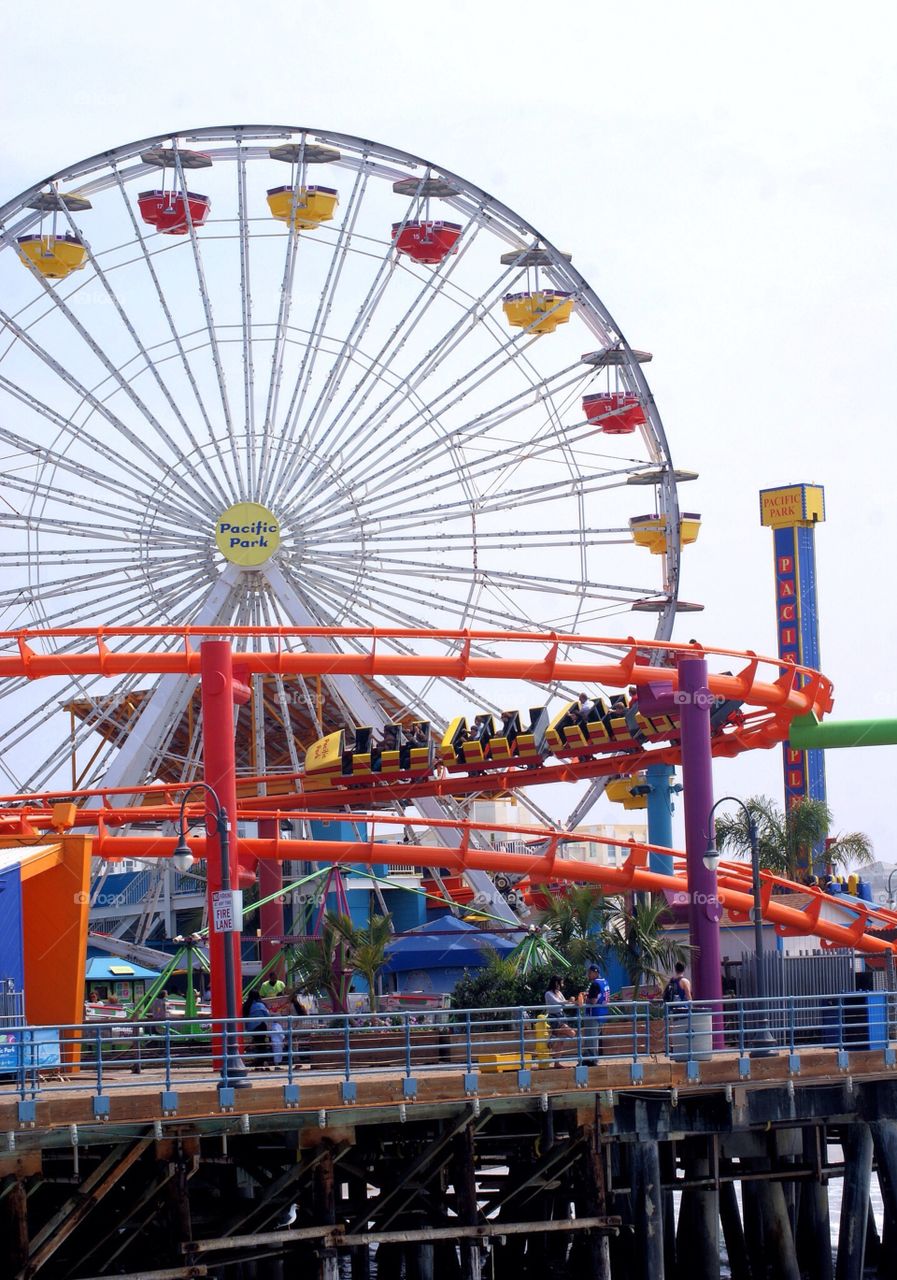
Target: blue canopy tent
x,y
433,956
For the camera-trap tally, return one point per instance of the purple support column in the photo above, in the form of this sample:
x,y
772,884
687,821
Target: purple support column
x,y
704,909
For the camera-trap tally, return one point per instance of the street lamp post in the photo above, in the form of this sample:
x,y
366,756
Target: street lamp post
x,y
763,1041
233,1069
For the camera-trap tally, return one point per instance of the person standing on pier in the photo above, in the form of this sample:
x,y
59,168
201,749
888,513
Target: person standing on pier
x,y
558,1026
596,1009
678,989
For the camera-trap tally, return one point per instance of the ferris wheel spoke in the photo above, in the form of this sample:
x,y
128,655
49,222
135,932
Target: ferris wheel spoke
x,y
374,366
147,257
125,468
246,322
400,570
210,322
505,612
380,464
425,510
282,711
342,425
382,467
281,330
428,412
340,365
287,437
85,396
60,461
408,382
149,364
100,506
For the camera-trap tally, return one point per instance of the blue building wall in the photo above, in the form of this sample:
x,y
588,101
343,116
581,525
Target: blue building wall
x,y
12,957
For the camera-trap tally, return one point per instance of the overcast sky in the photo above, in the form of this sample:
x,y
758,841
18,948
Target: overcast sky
x,y
723,176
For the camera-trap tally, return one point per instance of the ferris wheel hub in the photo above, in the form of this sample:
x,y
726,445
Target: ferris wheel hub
x,y
247,534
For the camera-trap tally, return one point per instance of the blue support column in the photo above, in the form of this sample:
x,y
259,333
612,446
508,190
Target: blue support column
x,y
660,814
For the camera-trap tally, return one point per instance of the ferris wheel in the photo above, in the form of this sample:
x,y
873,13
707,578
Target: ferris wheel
x,y
269,375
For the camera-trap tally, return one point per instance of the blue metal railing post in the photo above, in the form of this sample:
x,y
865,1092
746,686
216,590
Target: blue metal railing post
x,y
522,1014
840,1007
468,1042
791,1025
168,1056
98,1040
407,1029
290,1029
347,1047
742,1040
21,1059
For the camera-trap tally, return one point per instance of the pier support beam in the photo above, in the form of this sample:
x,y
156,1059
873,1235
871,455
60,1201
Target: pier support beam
x,y
857,1144
697,1236
325,1213
647,1211
778,1238
733,1233
884,1143
593,1194
464,1178
814,1231
14,1225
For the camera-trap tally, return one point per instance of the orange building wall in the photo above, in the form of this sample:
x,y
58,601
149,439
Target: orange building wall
x,y
55,909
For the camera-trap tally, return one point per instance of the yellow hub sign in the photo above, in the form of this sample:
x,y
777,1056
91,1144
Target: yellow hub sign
x,y
247,534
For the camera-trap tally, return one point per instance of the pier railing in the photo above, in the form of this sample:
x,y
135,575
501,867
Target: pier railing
x,y
36,1062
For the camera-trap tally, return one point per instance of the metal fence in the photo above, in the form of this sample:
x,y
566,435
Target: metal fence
x,y
104,1057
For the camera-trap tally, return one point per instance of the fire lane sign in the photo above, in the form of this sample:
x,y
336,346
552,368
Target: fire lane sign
x,y
227,910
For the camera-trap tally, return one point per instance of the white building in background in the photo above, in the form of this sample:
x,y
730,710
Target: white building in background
x,y
506,809
606,854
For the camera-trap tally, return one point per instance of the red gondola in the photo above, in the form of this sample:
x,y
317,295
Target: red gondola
x,y
626,410
167,210
428,242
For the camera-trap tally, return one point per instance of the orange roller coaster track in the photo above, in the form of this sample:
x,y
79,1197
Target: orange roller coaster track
x,y
771,693
769,704
546,865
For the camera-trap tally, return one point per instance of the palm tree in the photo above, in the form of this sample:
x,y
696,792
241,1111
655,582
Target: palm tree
x,y
781,836
575,922
366,948
637,938
321,964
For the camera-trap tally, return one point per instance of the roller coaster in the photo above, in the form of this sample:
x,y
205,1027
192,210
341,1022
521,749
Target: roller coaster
x,y
488,752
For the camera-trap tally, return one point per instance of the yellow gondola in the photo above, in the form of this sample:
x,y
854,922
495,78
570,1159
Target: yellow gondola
x,y
650,531
538,312
313,205
53,256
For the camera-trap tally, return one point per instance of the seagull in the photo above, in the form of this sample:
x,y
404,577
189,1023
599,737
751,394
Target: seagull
x,y
289,1216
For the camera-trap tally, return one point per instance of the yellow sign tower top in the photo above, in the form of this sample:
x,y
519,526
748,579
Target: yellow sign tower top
x,y
796,504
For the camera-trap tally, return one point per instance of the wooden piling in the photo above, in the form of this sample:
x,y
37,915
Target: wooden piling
x,y
733,1233
647,1211
14,1225
857,1144
814,1231
777,1234
464,1177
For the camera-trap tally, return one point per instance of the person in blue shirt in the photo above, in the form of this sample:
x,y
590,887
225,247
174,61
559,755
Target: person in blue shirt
x,y
597,1003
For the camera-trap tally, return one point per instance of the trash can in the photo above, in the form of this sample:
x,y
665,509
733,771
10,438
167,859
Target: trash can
x,y
690,1033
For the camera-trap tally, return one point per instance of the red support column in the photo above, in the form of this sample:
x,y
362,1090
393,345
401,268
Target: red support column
x,y
219,771
271,914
